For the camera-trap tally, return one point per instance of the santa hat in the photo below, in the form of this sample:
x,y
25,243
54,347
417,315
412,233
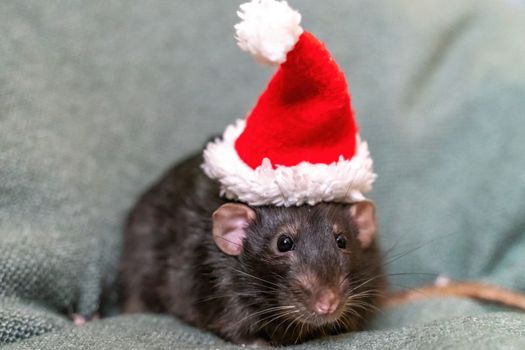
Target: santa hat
x,y
300,144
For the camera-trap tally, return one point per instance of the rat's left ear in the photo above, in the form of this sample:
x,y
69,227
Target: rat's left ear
x,y
229,226
364,216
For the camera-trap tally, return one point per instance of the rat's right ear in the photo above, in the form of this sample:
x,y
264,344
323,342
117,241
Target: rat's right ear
x,y
364,216
229,226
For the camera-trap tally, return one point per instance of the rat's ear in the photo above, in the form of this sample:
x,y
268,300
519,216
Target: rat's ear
x,y
229,226
364,216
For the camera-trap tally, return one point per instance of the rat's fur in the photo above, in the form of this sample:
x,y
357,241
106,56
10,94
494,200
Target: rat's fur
x,y
171,264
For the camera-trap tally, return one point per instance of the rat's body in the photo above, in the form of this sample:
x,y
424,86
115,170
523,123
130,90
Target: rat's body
x,y
328,280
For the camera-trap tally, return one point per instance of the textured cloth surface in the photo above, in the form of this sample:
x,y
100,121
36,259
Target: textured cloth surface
x,y
501,330
97,98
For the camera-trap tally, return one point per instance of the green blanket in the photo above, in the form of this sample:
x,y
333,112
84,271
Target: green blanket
x,y
97,98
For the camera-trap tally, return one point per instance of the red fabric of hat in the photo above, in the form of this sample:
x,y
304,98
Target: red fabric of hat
x,y
304,115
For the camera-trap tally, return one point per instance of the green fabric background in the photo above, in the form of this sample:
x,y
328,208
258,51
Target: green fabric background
x,y
97,98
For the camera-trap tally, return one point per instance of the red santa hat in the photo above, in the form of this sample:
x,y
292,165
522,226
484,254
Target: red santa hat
x,y
300,144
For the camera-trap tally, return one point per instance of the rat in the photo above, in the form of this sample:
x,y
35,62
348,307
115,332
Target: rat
x,y
262,274
251,274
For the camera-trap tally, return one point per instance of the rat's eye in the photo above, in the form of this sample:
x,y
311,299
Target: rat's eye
x,y
341,241
285,243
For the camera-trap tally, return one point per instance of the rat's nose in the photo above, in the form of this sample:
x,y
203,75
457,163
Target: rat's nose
x,y
326,303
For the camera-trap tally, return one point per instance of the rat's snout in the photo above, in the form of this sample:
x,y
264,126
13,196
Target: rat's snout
x,y
320,296
326,302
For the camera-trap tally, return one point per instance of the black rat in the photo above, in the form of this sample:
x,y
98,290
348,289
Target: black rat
x,y
250,274
261,274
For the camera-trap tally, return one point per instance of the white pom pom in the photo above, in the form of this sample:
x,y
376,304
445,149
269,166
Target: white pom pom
x,y
269,30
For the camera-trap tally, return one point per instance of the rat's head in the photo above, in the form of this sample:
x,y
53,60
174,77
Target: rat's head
x,y
315,265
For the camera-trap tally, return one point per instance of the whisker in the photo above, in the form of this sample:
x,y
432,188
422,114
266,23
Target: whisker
x,y
300,325
291,323
262,312
364,305
227,240
255,277
393,247
411,274
279,325
365,282
273,318
220,296
419,246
